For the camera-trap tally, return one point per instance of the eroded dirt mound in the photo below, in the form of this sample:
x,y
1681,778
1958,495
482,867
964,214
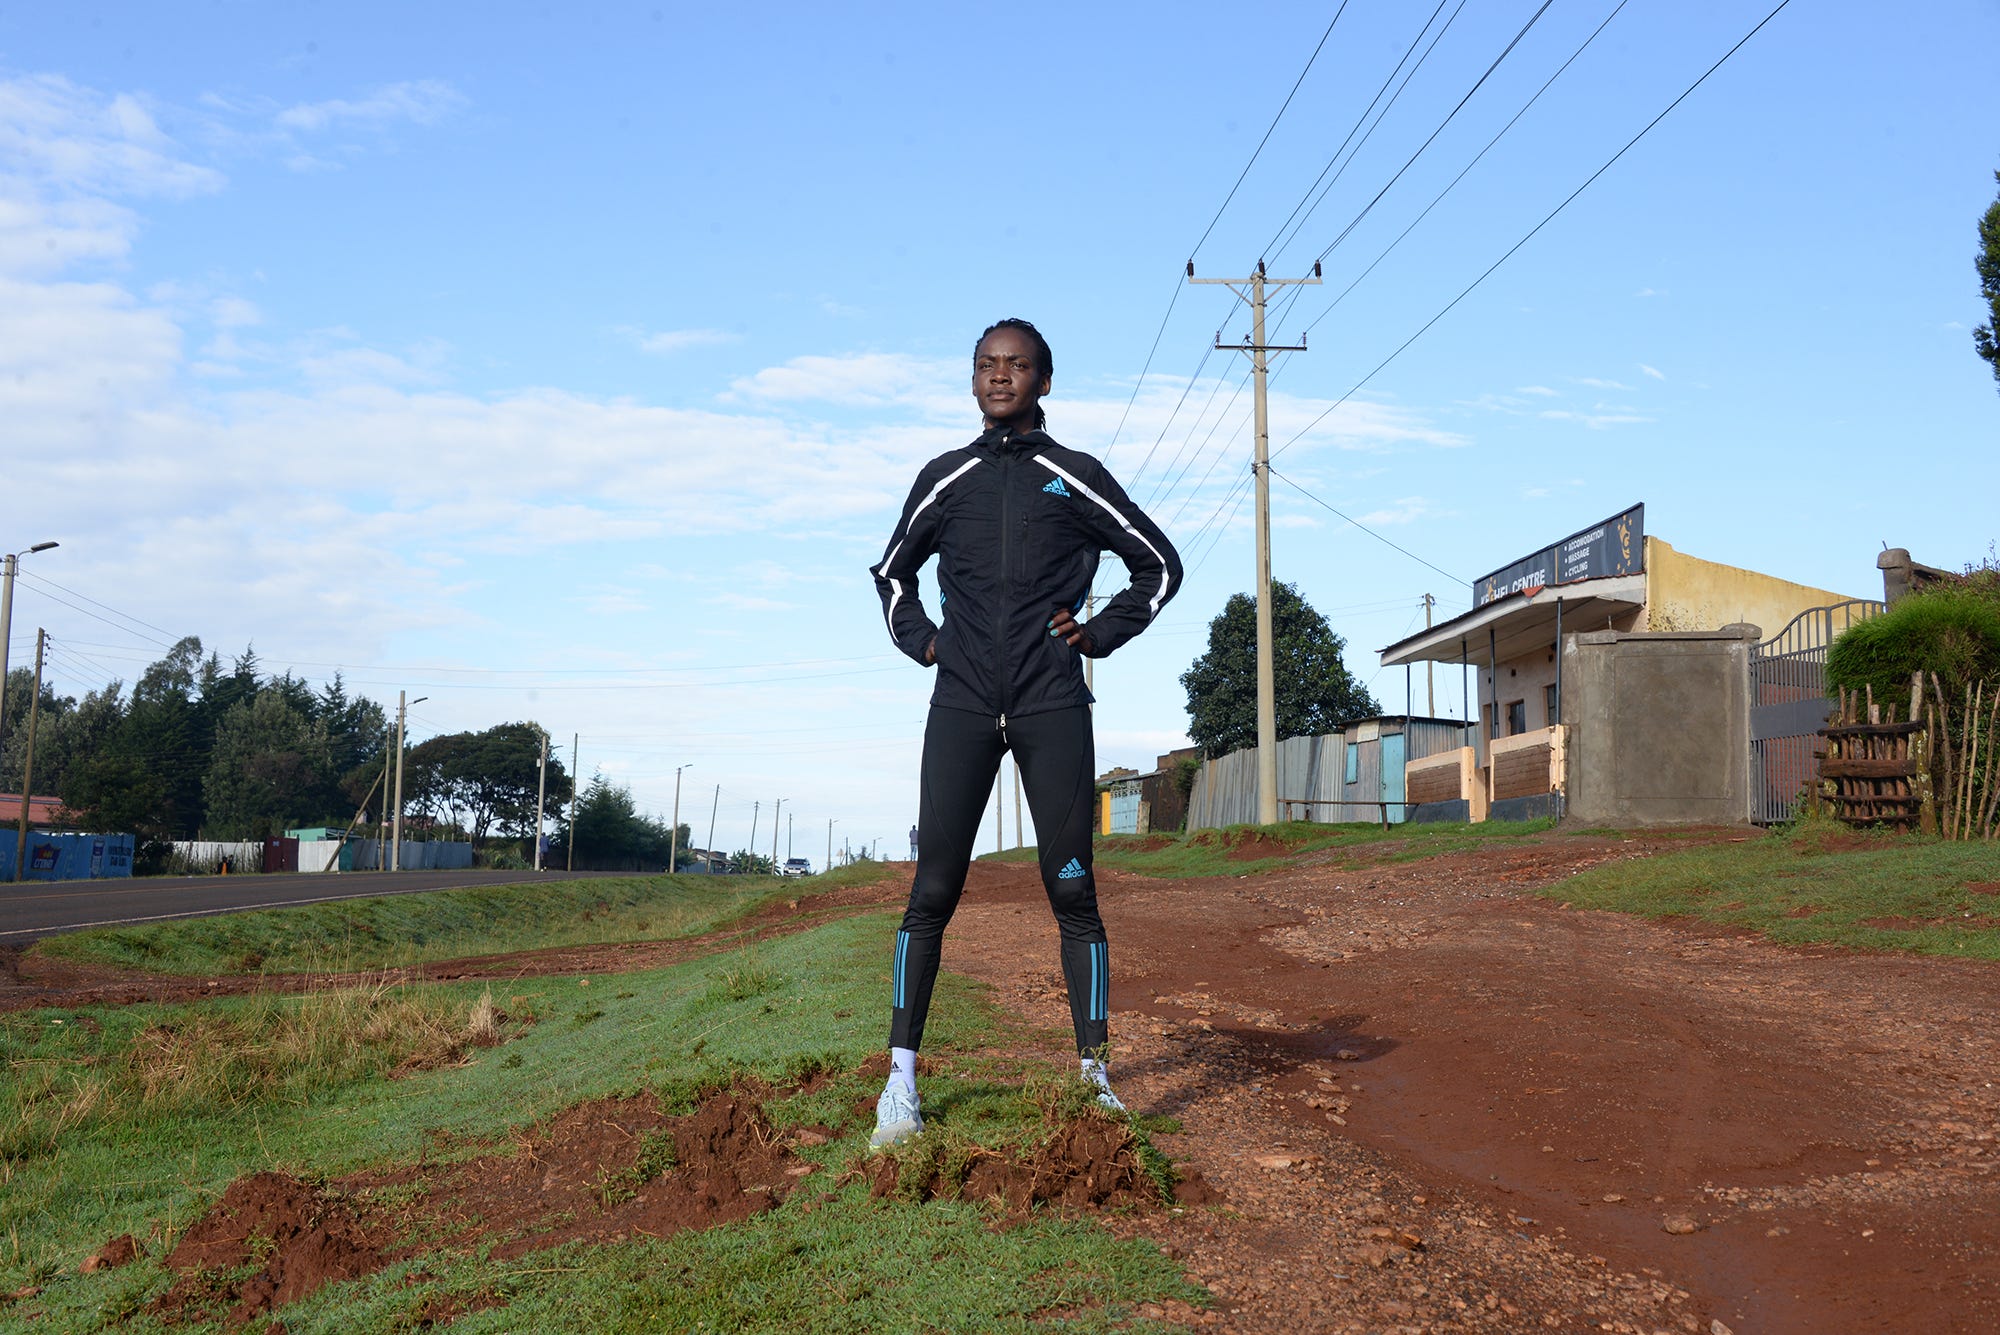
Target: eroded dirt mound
x,y
608,1170
601,1171
1084,1163
304,1236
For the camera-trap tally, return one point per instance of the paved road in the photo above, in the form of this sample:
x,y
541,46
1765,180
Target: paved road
x,y
42,908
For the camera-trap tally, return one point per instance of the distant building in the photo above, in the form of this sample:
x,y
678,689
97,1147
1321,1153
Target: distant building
x,y
44,813
1612,680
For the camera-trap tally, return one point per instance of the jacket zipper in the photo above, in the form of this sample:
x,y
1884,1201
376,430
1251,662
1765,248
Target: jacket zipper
x,y
1006,576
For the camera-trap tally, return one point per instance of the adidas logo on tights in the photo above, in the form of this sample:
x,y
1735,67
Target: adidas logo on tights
x,y
1071,872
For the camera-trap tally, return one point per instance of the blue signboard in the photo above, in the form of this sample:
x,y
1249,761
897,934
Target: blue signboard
x,y
1614,547
67,857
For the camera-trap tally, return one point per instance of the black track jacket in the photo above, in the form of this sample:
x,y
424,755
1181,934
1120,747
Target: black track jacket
x,y
1017,523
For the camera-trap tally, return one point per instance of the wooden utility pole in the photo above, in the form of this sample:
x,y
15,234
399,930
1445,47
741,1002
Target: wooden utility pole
x,y
1017,798
28,765
541,792
396,828
714,807
1430,683
674,839
1267,693
575,782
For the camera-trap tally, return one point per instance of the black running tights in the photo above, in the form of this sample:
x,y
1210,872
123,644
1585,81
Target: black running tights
x,y
962,754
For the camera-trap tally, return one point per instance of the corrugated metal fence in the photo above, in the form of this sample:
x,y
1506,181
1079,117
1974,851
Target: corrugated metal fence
x,y
1341,773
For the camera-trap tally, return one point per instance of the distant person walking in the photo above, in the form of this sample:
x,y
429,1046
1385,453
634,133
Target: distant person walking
x,y
1017,523
913,843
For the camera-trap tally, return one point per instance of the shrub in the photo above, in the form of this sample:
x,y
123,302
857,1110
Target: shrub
x,y
1952,631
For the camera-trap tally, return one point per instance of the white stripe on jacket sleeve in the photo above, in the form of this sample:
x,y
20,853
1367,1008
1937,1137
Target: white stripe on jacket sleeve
x,y
1166,577
882,571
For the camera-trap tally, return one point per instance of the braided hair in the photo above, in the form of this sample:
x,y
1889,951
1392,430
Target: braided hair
x,y
1045,358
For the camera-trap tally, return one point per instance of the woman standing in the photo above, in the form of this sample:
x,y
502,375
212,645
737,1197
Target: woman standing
x,y
1017,523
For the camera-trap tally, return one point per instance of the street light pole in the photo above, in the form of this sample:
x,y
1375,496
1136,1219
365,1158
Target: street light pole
x,y
674,840
829,848
541,791
774,836
8,567
403,703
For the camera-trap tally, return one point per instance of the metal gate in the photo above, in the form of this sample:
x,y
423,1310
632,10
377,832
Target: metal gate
x,y
1789,704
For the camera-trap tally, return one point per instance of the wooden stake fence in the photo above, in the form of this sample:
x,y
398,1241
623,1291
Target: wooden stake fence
x,y
1870,773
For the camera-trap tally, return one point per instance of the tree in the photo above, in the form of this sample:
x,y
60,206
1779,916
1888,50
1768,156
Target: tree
x,y
483,781
1315,691
270,767
611,835
1986,338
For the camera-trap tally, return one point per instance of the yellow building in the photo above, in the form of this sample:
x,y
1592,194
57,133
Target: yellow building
x,y
1610,577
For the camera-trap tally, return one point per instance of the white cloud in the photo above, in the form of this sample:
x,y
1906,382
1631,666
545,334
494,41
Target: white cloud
x,y
865,379
421,102
1654,373
1646,292
744,602
1407,510
62,138
1595,383
1595,421
1542,391
669,341
234,312
371,365
615,602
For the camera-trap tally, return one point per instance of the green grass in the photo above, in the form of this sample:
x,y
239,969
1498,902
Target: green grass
x,y
398,930
1220,852
780,1009
1807,887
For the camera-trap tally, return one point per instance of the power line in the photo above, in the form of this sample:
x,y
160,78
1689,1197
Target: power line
x,y
94,616
1477,157
1364,528
1193,380
1241,176
1425,328
1165,488
39,578
1273,249
1290,299
1273,126
1480,83
1235,501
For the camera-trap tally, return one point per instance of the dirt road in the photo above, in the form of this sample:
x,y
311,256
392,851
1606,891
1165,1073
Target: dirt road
x,y
1438,1102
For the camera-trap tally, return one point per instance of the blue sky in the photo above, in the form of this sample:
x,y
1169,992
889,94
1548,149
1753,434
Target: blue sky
x,y
571,366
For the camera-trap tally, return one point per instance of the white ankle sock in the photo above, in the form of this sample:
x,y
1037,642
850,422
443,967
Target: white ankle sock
x,y
1093,1071
903,1068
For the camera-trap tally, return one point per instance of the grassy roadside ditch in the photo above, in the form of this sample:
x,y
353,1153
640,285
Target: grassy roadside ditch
x,y
1816,885
400,930
375,1098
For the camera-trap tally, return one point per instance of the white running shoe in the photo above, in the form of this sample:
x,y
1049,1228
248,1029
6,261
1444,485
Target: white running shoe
x,y
897,1117
1094,1072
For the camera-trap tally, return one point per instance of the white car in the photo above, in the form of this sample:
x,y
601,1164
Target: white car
x,y
796,867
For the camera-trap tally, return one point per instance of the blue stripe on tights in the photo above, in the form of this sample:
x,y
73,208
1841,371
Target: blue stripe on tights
x,y
1104,992
1099,982
902,955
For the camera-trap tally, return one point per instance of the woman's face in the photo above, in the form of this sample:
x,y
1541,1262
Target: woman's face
x,y
1007,379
